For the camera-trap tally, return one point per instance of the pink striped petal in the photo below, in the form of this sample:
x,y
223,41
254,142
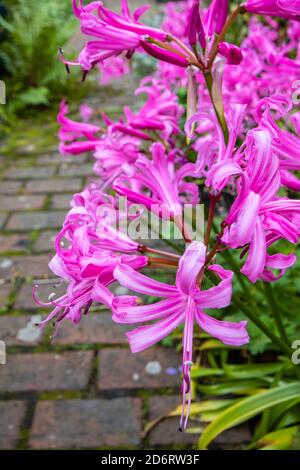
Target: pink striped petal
x,y
190,265
233,334
256,260
218,296
143,313
138,282
145,336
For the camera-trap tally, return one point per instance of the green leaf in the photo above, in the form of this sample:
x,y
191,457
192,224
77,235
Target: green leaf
x,y
290,417
205,372
249,371
204,406
277,411
237,387
247,408
278,440
213,344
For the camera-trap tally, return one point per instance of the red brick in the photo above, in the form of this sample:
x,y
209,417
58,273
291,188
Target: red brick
x,y
22,202
10,187
36,220
12,415
85,424
54,185
56,158
93,328
46,371
3,218
76,170
24,297
4,292
46,241
61,201
230,438
33,172
13,243
24,266
120,369
166,432
20,330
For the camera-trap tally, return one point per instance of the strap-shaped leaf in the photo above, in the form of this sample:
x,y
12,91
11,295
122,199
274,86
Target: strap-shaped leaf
x,y
246,409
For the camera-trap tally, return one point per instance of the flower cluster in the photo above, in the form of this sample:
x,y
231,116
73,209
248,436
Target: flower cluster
x,y
238,134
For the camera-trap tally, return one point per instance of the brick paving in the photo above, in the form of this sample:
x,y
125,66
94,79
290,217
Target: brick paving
x,y
84,389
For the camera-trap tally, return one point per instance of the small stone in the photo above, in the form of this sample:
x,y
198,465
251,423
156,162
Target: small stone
x,y
153,368
31,332
5,264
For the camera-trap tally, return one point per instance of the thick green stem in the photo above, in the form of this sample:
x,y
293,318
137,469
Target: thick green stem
x,y
275,312
220,114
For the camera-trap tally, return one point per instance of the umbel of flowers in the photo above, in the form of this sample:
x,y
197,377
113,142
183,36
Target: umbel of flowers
x,y
239,126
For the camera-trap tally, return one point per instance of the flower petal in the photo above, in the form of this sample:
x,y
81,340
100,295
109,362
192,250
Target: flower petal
x,y
233,334
143,313
218,296
256,260
138,282
145,336
190,264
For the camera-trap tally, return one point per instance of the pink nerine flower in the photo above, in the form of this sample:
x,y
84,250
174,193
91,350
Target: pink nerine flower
x,y
183,303
281,8
114,33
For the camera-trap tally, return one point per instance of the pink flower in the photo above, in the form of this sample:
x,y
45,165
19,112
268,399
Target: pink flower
x,y
72,130
216,16
257,217
160,113
231,52
113,33
183,303
282,8
165,185
285,144
88,248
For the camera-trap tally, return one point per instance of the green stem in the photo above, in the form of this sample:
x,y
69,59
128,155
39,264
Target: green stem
x,y
275,311
262,326
231,19
235,268
212,206
220,115
239,304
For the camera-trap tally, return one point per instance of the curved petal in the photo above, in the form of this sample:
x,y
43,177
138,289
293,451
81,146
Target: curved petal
x,y
145,336
219,173
143,313
256,260
233,334
242,230
218,296
278,261
190,264
138,282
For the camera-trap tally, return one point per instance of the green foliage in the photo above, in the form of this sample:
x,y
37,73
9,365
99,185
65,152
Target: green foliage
x,y
267,394
247,408
33,32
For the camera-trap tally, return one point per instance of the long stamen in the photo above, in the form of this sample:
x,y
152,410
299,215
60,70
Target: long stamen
x,y
187,364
